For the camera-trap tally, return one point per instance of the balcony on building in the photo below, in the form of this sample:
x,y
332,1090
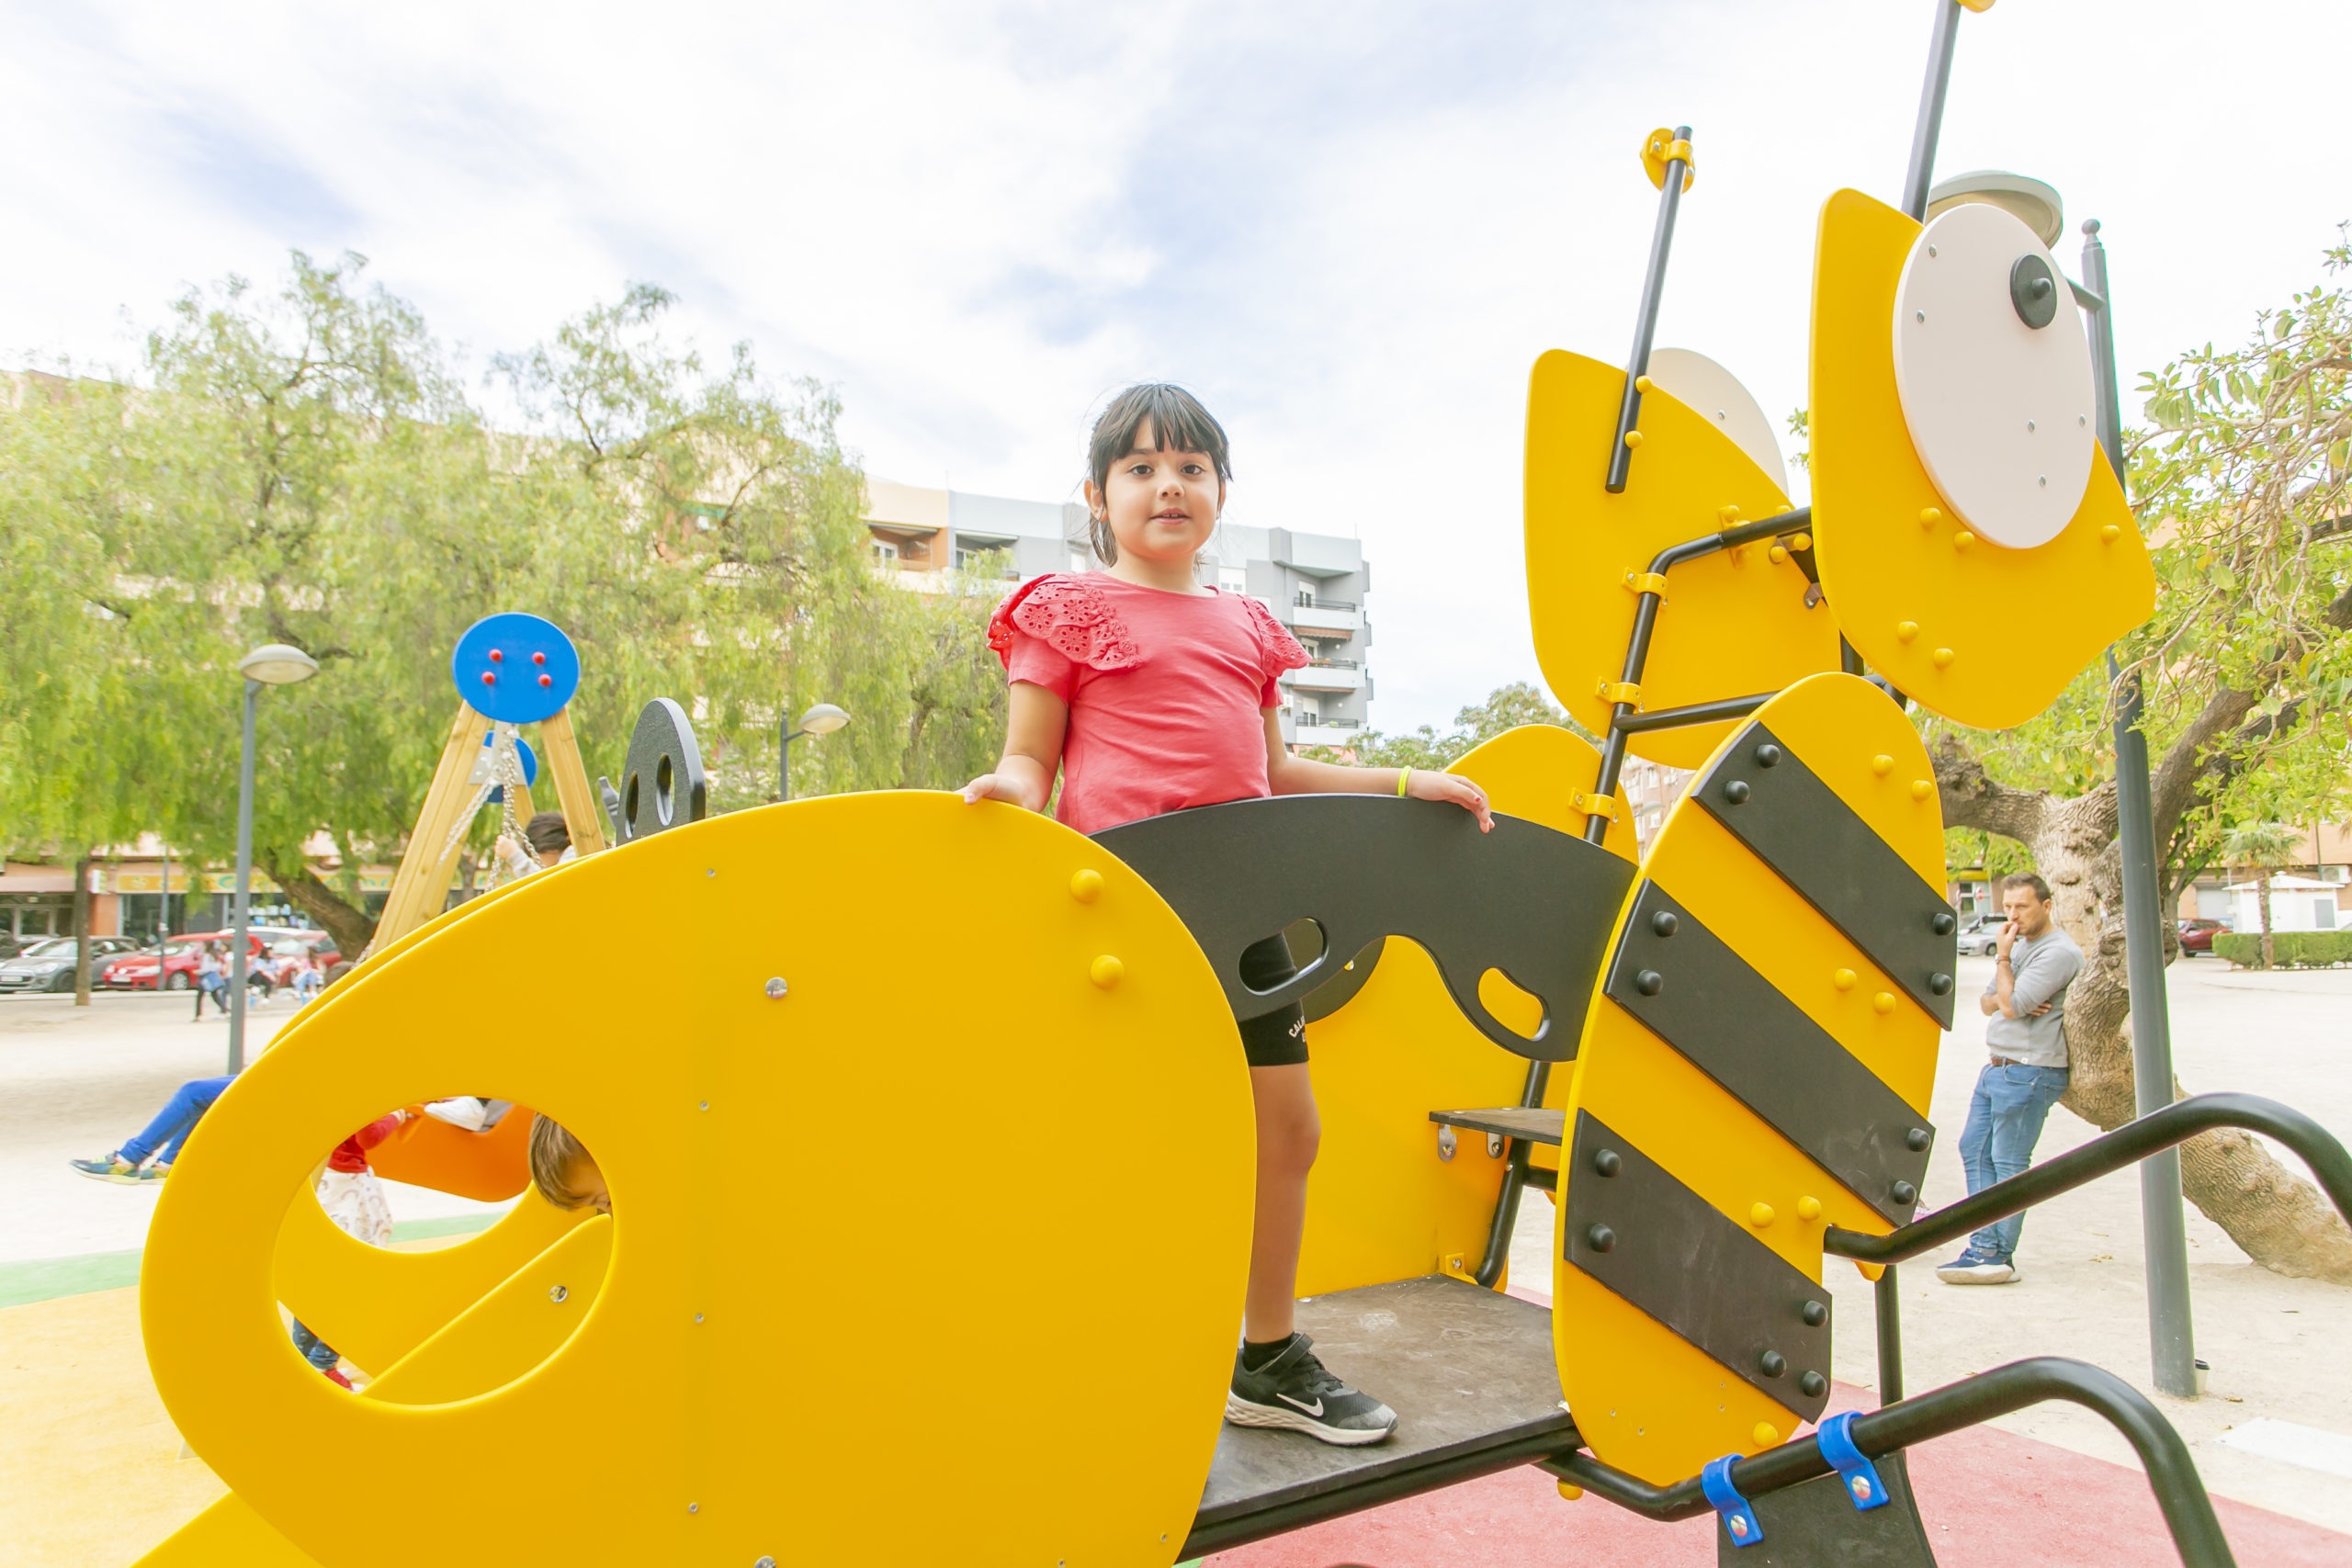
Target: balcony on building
x,y
1312,730
1327,675
1309,614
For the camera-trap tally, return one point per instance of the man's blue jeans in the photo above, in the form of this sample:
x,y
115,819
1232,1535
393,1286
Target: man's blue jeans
x,y
2004,1124
315,1350
172,1124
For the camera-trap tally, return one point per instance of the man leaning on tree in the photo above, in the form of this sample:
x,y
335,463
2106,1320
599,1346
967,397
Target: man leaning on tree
x,y
2032,966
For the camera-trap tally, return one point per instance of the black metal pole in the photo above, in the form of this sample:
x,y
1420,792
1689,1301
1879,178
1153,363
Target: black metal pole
x,y
1629,408
2172,1329
1890,1336
1931,125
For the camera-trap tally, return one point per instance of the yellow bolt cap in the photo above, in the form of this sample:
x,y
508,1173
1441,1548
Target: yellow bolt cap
x,y
1777,554
1760,1216
1808,1208
2110,533
1105,971
1766,1436
1882,764
1941,658
1570,1493
1800,541
1906,630
1633,438
1644,384
1883,1001
1922,788
1086,886
1963,539
1844,979
1929,517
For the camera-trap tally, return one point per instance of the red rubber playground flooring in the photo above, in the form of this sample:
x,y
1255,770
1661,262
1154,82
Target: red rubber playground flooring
x,y
1990,1498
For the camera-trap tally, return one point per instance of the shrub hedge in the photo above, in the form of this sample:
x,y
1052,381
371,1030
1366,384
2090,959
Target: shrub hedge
x,y
2296,950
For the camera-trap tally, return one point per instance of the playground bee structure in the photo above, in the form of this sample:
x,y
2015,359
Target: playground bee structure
x,y
1010,1050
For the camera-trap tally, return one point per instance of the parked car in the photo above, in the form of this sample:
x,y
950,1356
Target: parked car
x,y
47,964
1981,934
2196,936
173,969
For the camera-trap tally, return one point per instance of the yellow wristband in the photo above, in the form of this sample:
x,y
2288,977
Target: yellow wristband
x,y
1404,779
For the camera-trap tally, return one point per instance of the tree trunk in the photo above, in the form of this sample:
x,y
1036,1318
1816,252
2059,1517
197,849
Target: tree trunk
x,y
82,931
2282,1221
352,929
2262,896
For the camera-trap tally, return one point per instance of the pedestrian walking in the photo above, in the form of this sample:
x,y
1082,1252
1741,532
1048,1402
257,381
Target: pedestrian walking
x,y
211,979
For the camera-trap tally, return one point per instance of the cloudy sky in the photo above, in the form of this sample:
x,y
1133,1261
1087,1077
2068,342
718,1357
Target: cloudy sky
x,y
1351,227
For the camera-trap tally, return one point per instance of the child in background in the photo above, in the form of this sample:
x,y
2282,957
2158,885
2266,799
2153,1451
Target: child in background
x,y
1149,694
562,1170
354,1200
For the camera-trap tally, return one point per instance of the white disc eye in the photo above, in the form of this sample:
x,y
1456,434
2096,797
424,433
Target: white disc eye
x,y
1998,408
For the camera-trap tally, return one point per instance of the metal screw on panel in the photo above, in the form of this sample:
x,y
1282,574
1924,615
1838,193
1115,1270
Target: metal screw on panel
x,y
712,872
1664,922
1918,1139
557,1293
1816,1313
1735,791
697,1317
705,1105
1445,1142
776,986
1813,1385
1771,1363
1904,1193
1494,1146
1606,1162
693,1507
1768,756
1600,1239
1649,982
764,1562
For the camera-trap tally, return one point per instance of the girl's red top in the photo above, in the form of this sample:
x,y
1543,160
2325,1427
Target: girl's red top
x,y
1167,692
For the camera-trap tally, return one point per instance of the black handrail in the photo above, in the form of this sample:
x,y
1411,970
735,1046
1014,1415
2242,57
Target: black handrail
x,y
2128,1145
2189,1512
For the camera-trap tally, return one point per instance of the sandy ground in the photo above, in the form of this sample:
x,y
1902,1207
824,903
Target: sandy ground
x,y
76,1082
2277,1345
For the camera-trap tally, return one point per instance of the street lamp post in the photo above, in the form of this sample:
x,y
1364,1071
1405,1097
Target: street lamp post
x,y
822,719
273,664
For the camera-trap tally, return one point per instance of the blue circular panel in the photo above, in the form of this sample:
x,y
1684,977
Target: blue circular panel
x,y
524,754
515,669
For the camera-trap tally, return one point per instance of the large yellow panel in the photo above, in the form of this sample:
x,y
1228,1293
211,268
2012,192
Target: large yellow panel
x,y
937,1002
1645,1399
1733,624
229,1534
376,1305
510,1331
1940,618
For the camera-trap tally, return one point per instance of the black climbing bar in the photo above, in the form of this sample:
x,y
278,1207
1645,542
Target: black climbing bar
x,y
1629,408
1490,1268
1696,713
2189,1512
1637,647
2128,1145
1890,1336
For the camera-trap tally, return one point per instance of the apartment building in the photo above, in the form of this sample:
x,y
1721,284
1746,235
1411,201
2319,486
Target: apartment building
x,y
943,540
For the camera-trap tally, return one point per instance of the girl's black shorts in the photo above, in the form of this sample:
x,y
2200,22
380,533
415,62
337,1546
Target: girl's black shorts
x,y
1277,1039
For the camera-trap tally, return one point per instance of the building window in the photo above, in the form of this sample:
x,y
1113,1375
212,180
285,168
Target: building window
x,y
886,555
1233,578
984,561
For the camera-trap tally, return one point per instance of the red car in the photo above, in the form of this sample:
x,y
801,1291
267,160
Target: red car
x,y
173,969
2196,936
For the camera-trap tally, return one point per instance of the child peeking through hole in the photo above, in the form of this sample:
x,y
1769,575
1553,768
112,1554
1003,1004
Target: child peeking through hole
x,y
562,1170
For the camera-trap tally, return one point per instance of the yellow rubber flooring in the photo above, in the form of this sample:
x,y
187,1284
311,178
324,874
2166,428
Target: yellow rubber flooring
x,y
94,1476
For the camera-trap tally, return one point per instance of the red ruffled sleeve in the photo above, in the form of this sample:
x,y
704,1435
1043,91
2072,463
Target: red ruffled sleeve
x,y
1282,650
1071,616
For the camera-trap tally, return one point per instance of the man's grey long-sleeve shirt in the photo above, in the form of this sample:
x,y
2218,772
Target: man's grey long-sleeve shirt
x,y
2043,966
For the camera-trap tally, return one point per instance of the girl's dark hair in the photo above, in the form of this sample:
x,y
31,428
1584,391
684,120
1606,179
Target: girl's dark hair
x,y
1177,420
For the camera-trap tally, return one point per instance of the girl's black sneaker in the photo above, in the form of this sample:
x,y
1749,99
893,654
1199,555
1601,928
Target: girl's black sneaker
x,y
1297,1393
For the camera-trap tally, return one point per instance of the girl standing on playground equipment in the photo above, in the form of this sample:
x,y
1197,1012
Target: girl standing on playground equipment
x,y
1149,694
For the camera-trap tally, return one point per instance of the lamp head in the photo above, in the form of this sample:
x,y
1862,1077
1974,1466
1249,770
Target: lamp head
x,y
822,719
2030,201
275,664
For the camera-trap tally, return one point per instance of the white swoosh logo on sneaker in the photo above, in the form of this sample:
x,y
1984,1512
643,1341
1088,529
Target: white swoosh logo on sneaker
x,y
1314,1409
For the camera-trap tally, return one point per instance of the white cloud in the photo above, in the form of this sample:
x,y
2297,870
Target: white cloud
x,y
1351,228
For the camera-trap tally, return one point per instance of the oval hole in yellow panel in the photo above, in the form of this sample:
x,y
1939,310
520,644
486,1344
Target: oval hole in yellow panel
x,y
1519,1011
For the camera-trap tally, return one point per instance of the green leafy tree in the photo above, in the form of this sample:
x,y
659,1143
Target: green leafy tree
x,y
2246,669
304,466
1506,707
2264,846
